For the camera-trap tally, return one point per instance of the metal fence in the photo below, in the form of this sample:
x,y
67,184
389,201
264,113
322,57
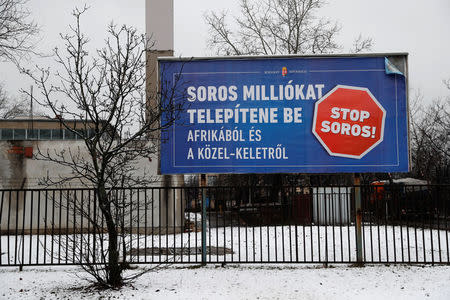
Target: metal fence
x,y
193,225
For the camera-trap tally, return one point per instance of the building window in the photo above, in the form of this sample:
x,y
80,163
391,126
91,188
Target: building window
x,y
69,135
19,134
7,134
32,134
45,134
57,134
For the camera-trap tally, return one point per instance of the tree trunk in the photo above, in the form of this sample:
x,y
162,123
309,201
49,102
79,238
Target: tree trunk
x,y
114,269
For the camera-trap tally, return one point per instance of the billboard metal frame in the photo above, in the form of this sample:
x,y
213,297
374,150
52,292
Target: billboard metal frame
x,y
399,58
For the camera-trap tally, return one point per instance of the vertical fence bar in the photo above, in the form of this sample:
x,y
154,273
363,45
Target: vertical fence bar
x,y
210,212
38,226
391,211
189,222
45,225
316,199
368,210
8,228
319,206
102,232
423,231
145,225
303,227
138,218
341,224
231,221
31,225
283,223
67,225
81,210
438,215
130,231
326,197
358,224
216,207
431,221
297,217
447,229
225,208
203,185
1,217
89,221
59,226
22,259
348,208
159,225
16,229
288,215
333,221
386,222
174,198
253,207
181,224
400,213
406,212
416,209
95,226
378,218
153,224
166,196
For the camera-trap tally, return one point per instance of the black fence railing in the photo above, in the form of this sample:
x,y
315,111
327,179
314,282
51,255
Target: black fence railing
x,y
295,224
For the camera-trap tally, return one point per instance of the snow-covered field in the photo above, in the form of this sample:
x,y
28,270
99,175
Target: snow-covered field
x,y
239,282
254,244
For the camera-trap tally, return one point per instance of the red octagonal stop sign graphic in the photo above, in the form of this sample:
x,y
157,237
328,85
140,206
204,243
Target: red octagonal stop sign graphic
x,y
349,121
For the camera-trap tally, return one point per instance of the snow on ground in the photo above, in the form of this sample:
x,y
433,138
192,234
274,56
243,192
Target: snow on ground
x,y
239,282
256,281
256,244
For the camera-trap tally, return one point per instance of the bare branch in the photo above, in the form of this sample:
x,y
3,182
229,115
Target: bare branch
x,y
16,30
11,108
272,27
362,44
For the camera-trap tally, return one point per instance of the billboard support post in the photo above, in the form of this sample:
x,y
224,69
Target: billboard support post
x,y
358,223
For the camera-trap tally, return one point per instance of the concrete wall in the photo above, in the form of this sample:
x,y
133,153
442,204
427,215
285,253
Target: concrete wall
x,y
20,172
52,211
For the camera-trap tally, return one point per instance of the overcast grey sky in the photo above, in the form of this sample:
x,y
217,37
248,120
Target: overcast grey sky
x,y
419,27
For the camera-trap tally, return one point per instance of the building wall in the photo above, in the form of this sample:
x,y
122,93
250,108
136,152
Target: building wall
x,y
31,212
40,124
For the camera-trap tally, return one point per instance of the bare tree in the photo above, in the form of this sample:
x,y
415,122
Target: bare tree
x,y
10,108
270,27
16,30
106,93
430,138
361,44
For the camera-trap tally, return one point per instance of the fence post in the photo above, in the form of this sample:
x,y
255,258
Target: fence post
x,y
358,223
203,186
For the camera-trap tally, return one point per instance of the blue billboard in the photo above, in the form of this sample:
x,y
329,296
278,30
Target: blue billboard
x,y
320,114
